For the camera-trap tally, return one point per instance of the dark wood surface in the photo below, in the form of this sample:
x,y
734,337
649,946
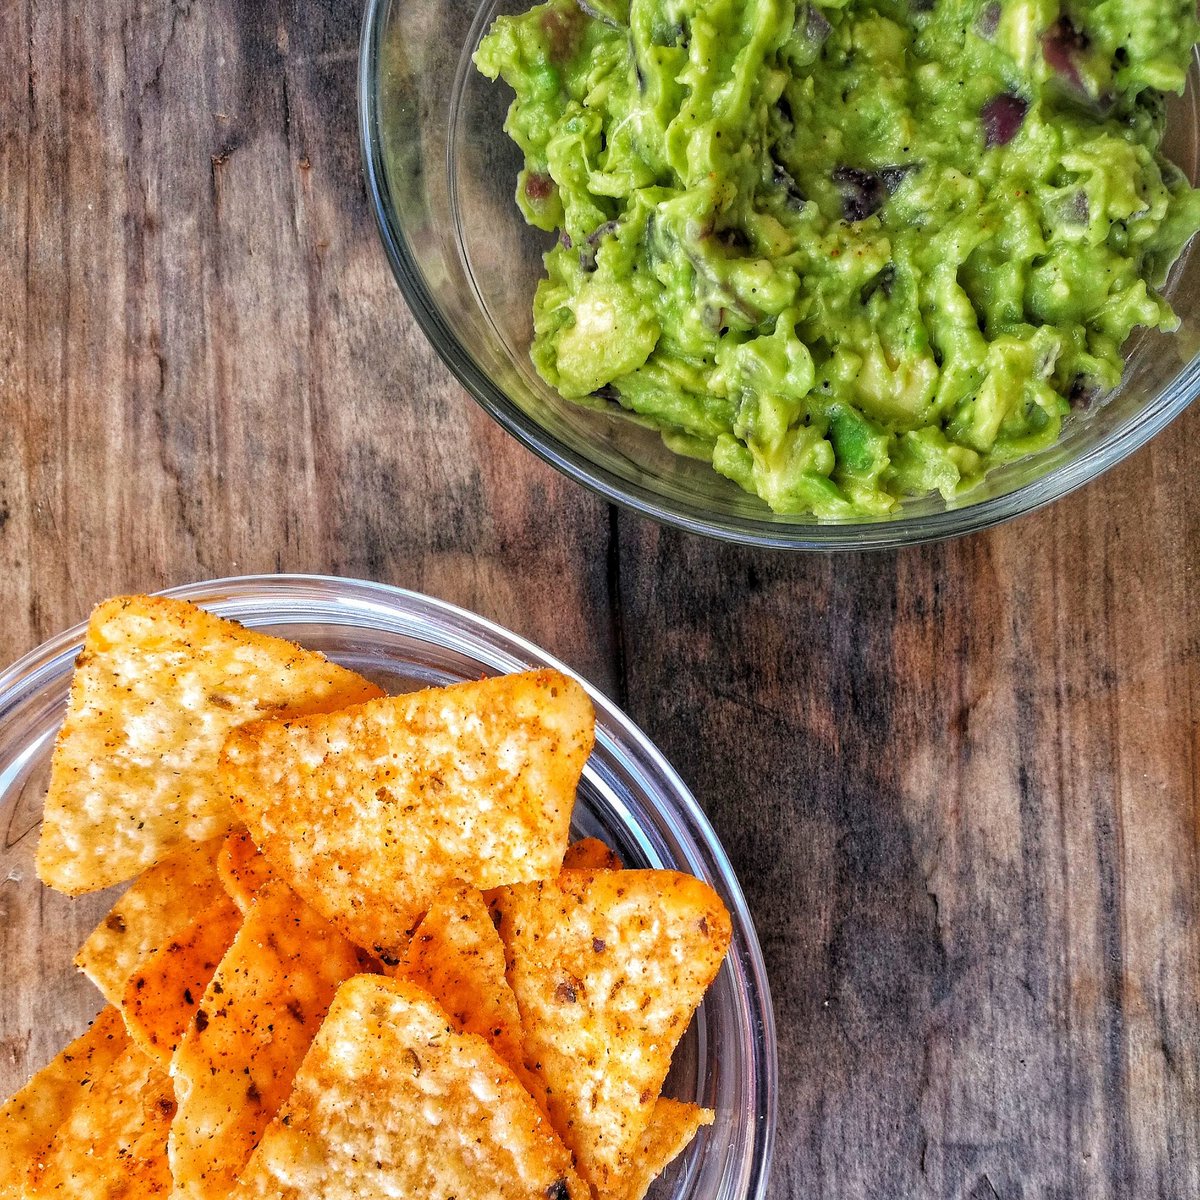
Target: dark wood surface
x,y
958,783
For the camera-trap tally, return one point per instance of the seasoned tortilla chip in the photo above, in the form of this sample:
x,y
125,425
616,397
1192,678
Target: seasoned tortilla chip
x,y
672,1126
235,1063
29,1121
367,813
156,907
158,685
161,996
392,1101
456,955
113,1145
242,869
591,854
607,968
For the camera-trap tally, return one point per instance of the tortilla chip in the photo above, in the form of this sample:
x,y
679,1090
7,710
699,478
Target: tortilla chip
x,y
158,685
368,813
607,968
392,1101
457,957
113,1145
161,996
242,869
591,854
672,1126
235,1064
156,907
29,1121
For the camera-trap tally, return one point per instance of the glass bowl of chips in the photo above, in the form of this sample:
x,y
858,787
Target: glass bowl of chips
x,y
629,797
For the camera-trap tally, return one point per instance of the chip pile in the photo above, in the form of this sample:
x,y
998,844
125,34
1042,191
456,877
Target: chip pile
x,y
358,957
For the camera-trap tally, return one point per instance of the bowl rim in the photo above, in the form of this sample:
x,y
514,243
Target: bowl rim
x,y
770,532
30,679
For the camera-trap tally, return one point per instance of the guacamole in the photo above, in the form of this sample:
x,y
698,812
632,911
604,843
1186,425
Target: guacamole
x,y
852,251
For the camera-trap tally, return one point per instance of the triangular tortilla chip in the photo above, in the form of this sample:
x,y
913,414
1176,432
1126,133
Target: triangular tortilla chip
x,y
607,968
242,869
113,1145
392,1101
162,994
367,813
672,1126
591,854
457,957
157,905
158,685
235,1063
29,1121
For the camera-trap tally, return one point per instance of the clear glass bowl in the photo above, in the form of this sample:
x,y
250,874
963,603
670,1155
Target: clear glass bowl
x,y
629,796
441,173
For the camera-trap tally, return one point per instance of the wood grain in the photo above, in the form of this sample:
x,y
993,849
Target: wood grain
x,y
959,787
208,367
958,783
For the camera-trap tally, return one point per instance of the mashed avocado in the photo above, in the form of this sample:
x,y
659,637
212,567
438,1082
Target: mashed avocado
x,y
846,252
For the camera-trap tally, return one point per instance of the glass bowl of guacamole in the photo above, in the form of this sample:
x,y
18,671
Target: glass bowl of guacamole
x,y
807,276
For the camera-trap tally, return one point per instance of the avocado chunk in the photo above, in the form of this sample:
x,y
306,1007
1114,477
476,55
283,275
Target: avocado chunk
x,y
610,333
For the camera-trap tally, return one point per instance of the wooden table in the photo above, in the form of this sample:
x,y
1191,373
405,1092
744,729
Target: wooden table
x,y
958,783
